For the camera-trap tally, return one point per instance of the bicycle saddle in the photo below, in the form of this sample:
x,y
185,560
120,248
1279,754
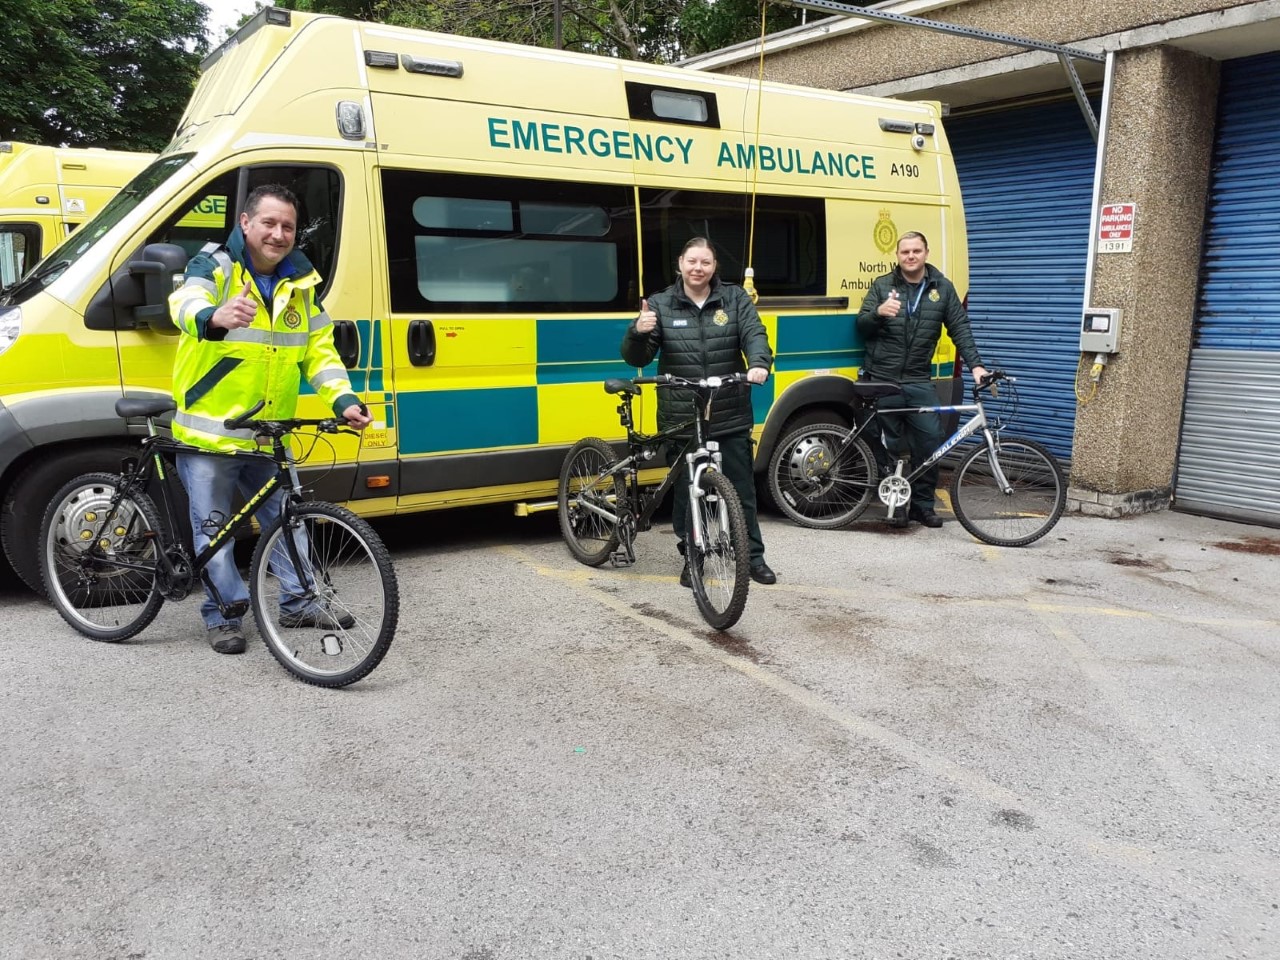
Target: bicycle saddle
x,y
144,406
621,386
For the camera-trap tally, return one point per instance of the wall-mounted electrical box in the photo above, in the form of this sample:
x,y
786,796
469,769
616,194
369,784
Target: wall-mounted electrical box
x,y
1100,331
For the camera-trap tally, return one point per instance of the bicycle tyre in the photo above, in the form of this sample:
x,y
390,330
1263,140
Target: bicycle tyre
x,y
585,480
1013,519
99,598
815,489
354,580
720,573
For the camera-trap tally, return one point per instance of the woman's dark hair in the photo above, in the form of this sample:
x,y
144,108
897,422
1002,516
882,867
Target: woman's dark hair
x,y
699,242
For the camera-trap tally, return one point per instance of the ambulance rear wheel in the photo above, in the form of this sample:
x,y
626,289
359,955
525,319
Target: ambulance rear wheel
x,y
28,498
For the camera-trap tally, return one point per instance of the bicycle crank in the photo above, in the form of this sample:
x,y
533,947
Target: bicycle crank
x,y
894,491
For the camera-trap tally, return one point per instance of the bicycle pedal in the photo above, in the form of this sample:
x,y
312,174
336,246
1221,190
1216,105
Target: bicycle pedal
x,y
619,558
236,611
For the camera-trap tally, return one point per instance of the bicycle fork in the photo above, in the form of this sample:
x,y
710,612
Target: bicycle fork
x,y
698,461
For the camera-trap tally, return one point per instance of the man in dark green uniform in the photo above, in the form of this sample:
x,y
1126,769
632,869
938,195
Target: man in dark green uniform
x,y
900,322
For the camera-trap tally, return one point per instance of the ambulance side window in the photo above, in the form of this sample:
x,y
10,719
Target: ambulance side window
x,y
789,247
208,214
204,216
19,249
461,244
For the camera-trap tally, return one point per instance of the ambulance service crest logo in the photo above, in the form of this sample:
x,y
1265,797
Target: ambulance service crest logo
x,y
934,296
292,319
885,233
720,319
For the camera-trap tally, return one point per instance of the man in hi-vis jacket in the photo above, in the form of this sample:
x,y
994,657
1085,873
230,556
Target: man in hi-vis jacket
x,y
251,328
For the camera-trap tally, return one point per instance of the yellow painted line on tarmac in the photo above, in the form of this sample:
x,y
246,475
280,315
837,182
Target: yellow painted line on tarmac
x,y
933,764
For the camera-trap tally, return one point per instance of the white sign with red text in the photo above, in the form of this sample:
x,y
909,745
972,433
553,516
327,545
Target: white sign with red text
x,y
1115,227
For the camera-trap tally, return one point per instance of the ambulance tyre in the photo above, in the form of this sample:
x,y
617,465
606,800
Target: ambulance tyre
x,y
27,499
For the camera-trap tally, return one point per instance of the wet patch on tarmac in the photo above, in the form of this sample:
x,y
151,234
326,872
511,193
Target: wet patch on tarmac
x,y
1014,819
734,645
929,854
1120,560
1266,546
666,616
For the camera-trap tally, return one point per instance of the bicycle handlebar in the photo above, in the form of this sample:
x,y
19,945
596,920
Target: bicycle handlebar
x,y
705,383
989,382
278,428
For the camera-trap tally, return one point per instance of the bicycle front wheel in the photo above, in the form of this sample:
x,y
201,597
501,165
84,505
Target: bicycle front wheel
x,y
719,568
820,480
1023,513
332,621
588,498
98,561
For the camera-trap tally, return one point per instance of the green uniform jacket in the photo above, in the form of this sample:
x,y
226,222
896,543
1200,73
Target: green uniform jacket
x,y
900,349
710,341
219,374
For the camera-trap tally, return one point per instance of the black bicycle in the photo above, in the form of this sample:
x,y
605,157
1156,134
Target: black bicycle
x,y
603,506
1007,491
110,560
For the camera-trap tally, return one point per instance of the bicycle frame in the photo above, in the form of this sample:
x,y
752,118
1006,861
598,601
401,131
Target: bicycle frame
x,y
181,573
978,422
699,453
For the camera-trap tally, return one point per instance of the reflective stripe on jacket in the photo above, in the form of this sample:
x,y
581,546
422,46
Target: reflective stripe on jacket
x,y
219,374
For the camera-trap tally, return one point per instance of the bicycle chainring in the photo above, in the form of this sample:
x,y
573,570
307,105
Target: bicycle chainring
x,y
894,491
175,586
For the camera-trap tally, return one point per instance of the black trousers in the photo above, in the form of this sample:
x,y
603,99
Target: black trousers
x,y
736,454
916,435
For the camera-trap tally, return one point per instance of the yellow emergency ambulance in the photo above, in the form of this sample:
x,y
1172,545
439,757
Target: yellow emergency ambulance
x,y
487,218
46,192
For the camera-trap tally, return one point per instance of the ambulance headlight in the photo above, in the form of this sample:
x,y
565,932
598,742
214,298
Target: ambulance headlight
x,y
10,326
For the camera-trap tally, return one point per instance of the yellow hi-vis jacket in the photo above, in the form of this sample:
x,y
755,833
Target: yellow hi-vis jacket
x,y
219,374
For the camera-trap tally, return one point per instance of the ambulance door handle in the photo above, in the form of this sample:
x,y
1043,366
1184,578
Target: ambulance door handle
x,y
422,343
347,339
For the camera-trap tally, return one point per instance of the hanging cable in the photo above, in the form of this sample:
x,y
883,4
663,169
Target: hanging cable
x,y
749,273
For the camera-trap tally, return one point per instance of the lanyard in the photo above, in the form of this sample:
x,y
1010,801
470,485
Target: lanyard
x,y
912,307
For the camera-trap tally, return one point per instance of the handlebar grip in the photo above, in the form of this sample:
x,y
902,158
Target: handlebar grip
x,y
237,423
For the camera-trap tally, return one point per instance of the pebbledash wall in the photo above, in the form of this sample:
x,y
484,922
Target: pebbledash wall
x,y
1187,413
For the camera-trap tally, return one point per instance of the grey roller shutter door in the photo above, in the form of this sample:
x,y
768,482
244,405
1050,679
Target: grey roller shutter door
x,y
1026,177
1229,455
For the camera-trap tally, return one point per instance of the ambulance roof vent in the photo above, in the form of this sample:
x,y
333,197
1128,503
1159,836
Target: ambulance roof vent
x,y
435,68
381,58
889,125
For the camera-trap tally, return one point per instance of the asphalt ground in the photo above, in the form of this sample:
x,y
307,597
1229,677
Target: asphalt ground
x,y
913,746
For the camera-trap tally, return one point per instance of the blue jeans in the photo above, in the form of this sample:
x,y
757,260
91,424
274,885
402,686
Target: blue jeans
x,y
211,483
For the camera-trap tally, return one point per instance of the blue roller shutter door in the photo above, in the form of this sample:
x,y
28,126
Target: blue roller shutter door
x,y
1229,456
1026,176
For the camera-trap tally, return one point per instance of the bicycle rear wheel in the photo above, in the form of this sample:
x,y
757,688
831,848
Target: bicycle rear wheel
x,y
588,498
98,563
1037,495
719,569
332,625
820,481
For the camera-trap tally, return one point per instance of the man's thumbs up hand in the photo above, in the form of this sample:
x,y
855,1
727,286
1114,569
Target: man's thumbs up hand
x,y
237,312
891,306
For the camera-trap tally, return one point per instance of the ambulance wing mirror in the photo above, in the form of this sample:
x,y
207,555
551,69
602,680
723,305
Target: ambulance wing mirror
x,y
155,276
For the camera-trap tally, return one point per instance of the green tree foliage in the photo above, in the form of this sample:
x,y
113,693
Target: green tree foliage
x,y
658,31
102,73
